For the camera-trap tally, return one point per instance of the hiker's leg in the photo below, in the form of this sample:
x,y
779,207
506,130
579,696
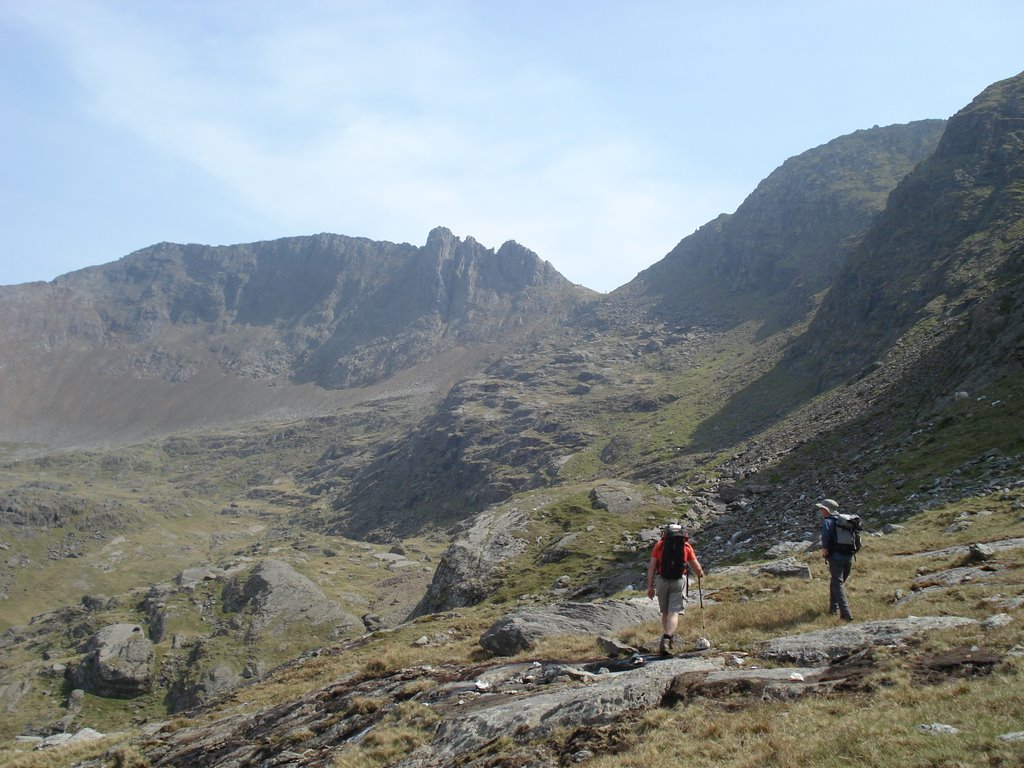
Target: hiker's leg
x,y
676,605
670,602
669,622
661,593
839,571
833,587
844,608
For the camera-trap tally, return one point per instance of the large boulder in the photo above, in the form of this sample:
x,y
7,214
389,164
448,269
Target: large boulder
x,y
119,663
470,566
275,593
616,497
520,631
12,693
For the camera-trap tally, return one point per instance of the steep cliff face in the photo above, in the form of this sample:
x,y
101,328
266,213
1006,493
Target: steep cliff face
x,y
451,292
231,333
788,239
947,252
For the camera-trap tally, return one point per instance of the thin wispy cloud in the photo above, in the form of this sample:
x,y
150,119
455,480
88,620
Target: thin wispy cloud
x,y
588,137
387,133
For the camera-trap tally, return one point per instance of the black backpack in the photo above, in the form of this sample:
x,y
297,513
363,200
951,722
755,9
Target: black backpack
x,y
673,555
845,533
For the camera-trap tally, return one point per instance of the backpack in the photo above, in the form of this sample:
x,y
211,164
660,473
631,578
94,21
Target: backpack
x,y
673,555
845,533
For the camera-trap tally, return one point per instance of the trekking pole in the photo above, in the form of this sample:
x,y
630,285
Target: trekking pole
x,y
700,594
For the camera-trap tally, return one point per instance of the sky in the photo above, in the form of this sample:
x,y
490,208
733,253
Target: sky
x,y
597,133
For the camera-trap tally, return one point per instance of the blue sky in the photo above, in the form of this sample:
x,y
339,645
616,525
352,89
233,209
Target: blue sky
x,y
597,134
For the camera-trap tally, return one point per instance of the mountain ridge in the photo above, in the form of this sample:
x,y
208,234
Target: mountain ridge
x,y
282,324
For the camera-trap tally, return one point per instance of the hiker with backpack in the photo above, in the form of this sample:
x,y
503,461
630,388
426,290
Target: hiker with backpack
x,y
671,561
840,540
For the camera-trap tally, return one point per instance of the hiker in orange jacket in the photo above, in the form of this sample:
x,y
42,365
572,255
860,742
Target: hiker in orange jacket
x,y
671,592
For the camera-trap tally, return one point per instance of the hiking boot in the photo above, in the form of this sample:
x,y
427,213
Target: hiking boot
x,y
665,646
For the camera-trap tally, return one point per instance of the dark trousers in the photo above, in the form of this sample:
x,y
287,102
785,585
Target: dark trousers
x,y
839,572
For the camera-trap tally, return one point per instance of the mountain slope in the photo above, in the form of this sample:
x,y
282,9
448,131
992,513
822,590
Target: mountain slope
x,y
189,335
729,399
623,387
949,249
917,352
788,239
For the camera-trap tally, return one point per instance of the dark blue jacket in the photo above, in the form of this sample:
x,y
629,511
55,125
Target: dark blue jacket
x,y
827,524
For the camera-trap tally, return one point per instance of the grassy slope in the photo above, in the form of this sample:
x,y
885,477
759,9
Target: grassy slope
x,y
882,717
186,502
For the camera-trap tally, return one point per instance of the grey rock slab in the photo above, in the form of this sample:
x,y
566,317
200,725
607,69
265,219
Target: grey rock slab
x,y
965,549
825,645
939,728
617,498
996,621
980,553
12,693
784,567
789,547
613,647
66,739
190,578
520,630
954,576
600,701
392,557
777,684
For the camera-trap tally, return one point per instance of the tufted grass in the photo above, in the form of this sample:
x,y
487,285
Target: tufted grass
x,y
879,729
404,729
113,750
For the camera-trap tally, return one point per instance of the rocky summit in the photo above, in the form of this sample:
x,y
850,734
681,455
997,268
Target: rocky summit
x,y
325,501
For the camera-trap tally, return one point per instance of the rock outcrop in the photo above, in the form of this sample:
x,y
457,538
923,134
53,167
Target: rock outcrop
x,y
119,663
275,594
519,631
468,567
826,645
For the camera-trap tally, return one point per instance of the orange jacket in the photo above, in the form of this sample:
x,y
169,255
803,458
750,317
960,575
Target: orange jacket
x,y
688,554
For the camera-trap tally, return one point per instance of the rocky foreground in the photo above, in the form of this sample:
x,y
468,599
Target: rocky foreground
x,y
518,704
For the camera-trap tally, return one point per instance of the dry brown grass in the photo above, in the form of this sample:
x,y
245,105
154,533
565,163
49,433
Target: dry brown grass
x,y
117,751
880,728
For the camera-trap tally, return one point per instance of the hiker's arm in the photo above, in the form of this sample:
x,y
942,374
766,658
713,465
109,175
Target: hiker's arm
x,y
825,531
650,578
697,567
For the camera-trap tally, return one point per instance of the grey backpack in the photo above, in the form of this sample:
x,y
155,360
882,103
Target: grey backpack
x,y
845,533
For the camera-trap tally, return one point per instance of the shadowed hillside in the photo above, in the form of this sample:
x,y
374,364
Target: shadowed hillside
x,y
786,242
624,387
